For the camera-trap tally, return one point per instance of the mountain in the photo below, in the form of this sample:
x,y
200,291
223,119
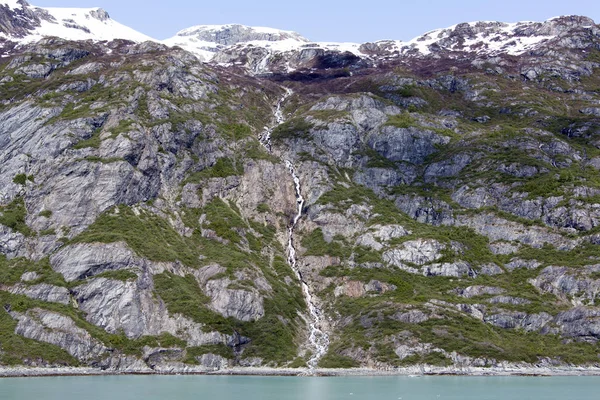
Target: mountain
x,y
264,50
431,205
207,40
22,22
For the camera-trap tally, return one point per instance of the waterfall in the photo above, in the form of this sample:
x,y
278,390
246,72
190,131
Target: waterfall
x,y
265,138
318,338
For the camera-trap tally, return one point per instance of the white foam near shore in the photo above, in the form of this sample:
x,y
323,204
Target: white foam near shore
x,y
418,370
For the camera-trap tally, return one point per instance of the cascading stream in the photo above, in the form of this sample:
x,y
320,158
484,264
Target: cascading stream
x,y
265,138
318,338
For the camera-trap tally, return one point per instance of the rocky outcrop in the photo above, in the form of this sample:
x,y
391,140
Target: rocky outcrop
x,y
443,194
61,331
43,292
243,305
577,286
85,260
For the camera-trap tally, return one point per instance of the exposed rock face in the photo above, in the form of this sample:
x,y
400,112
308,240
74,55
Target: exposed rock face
x,y
576,286
512,320
243,305
232,34
213,362
85,260
56,329
44,292
410,145
418,252
17,21
475,291
582,323
446,188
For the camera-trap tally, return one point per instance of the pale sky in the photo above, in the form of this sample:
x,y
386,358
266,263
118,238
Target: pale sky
x,y
328,20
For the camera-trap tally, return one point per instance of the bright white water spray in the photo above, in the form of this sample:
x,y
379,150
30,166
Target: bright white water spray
x,y
318,339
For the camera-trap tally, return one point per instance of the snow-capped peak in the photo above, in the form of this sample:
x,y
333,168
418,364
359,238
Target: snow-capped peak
x,y
491,37
206,40
235,33
13,4
26,23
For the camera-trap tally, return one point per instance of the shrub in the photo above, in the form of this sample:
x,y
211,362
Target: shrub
x,y
13,216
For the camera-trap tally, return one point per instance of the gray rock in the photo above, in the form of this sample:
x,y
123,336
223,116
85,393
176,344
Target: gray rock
x,y
213,362
582,323
243,305
131,308
447,168
475,291
595,111
10,242
517,263
30,276
389,232
84,260
491,270
569,284
411,317
411,145
519,320
59,330
515,301
368,240
456,269
504,248
43,292
419,252
499,229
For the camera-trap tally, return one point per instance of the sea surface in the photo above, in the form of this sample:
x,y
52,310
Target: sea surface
x,y
279,388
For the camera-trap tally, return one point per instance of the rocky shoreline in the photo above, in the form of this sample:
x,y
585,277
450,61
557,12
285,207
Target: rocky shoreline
x,y
413,371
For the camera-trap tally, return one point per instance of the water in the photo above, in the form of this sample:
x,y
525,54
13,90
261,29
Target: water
x,y
318,339
301,388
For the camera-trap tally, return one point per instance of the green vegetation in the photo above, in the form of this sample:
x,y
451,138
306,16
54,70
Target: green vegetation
x,y
235,131
93,141
218,349
263,208
329,115
223,168
13,216
15,348
294,128
45,214
316,245
101,160
335,360
474,338
271,338
376,160
12,270
404,120
18,348
125,125
147,234
21,179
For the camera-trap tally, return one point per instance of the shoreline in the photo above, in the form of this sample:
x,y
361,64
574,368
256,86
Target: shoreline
x,y
414,371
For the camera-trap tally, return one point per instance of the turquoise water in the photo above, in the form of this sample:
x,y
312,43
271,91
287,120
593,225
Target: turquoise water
x,y
278,388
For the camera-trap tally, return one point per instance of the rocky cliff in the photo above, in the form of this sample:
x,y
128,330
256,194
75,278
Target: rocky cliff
x,y
437,207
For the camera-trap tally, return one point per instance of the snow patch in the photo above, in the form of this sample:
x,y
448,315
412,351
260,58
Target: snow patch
x,y
76,24
12,4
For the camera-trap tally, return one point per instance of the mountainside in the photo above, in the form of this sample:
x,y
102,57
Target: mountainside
x,y
292,204
24,23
